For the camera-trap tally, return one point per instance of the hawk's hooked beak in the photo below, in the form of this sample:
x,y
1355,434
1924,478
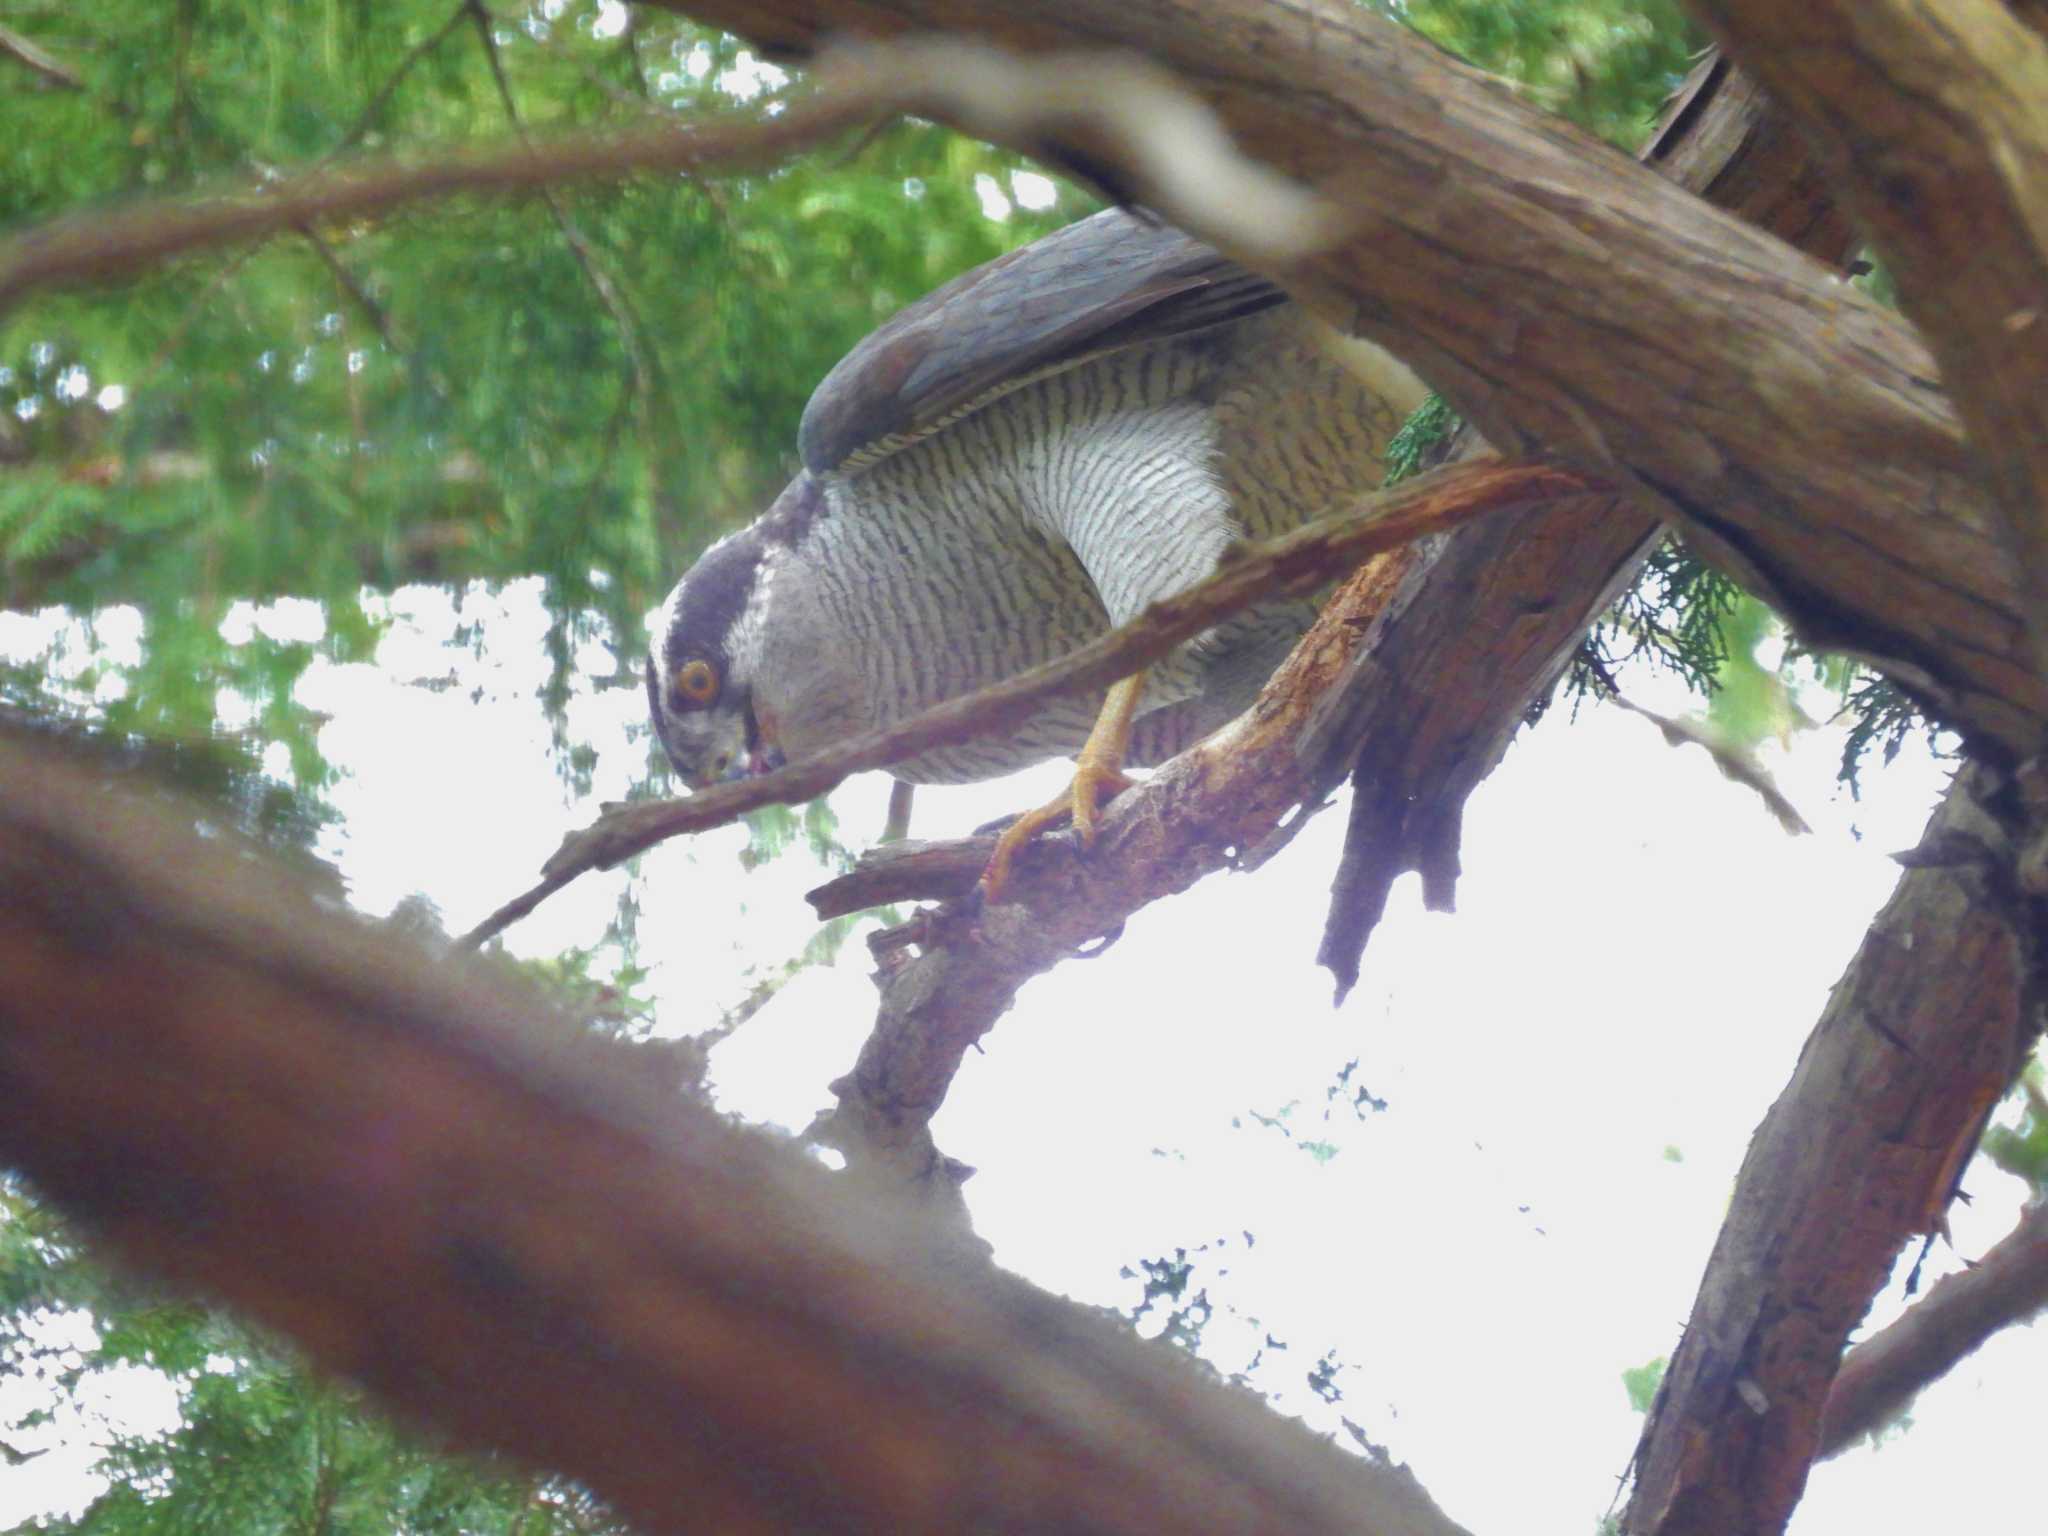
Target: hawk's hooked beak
x,y
763,755
749,754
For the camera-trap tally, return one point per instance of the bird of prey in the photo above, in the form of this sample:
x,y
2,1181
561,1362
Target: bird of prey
x,y
1009,467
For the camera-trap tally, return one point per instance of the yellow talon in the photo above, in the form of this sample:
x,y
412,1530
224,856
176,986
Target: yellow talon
x,y
1098,778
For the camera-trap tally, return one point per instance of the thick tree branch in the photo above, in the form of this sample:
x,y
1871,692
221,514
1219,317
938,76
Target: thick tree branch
x,y
405,1163
1915,1047
1928,119
1499,609
1298,562
1571,302
1883,1374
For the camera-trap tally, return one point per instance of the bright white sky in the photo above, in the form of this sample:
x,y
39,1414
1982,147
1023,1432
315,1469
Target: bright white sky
x,y
1573,1065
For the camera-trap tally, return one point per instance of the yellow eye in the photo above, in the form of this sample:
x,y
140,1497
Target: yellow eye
x,y
697,683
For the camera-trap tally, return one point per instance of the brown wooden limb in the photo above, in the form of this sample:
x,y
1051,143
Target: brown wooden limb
x,y
1476,629
896,825
1244,790
1863,1150
1495,612
1186,164
403,1161
1573,303
904,871
1720,137
1295,563
1881,1376
1928,121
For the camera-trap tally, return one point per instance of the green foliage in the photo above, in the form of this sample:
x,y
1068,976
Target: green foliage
x,y
1183,1309
1607,65
1428,428
2022,1149
1881,720
1642,1383
1680,615
1174,1309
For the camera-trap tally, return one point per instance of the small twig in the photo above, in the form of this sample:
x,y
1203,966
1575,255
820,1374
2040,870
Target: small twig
x,y
1297,563
14,46
364,123
1734,763
904,871
641,378
352,286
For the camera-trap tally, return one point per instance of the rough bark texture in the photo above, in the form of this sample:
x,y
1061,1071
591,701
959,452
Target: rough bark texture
x,y
1500,609
1865,1146
1880,1376
515,1233
1928,120
1574,303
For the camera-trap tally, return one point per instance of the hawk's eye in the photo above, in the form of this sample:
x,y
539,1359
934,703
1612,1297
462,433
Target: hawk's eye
x,y
696,684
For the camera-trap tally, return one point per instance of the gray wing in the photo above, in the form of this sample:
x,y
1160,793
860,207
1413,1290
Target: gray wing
x,y
1110,281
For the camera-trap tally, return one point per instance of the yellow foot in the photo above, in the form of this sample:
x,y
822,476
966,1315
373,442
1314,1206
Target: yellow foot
x,y
1095,784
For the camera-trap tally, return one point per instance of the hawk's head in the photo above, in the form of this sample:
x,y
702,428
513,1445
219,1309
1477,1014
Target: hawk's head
x,y
700,667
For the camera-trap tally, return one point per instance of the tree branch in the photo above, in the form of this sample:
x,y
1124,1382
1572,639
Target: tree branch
x,y
412,1168
1928,121
1864,1149
640,377
1498,610
1881,1376
106,247
1298,562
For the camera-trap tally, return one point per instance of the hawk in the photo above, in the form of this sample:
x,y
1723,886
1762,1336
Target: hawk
x,y
1010,466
